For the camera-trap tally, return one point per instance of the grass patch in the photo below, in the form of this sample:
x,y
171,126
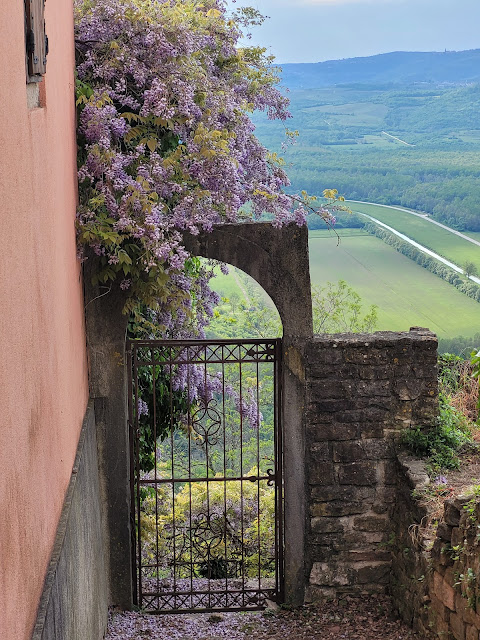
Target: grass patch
x,y
440,240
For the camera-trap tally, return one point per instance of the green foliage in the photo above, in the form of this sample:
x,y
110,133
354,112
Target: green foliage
x,y
337,308
460,345
441,444
470,269
467,583
345,220
449,373
237,539
169,409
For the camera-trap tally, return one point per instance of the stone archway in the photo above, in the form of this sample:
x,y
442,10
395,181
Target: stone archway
x,y
277,258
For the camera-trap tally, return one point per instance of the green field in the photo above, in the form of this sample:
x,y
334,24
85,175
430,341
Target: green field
x,y
338,233
447,244
406,294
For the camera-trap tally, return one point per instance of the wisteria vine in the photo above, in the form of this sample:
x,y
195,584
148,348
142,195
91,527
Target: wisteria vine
x,y
166,145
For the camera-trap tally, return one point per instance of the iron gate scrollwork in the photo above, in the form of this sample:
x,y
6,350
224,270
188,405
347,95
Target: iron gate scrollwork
x,y
207,486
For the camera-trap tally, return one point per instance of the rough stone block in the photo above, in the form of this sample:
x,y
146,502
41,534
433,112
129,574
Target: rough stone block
x,y
444,592
321,390
349,451
457,537
373,388
317,356
329,575
390,472
457,626
359,473
321,474
377,573
371,523
368,556
343,493
471,633
440,610
451,513
320,452
378,448
444,532
466,612
337,509
374,430
326,525
334,431
331,405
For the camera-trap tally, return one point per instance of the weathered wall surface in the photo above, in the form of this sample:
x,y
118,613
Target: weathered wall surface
x,y
74,601
362,391
436,582
43,375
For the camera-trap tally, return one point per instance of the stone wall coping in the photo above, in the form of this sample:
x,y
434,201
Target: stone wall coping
x,y
382,337
415,470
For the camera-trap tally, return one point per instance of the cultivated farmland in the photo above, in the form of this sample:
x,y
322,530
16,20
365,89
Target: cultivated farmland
x,y
450,246
406,294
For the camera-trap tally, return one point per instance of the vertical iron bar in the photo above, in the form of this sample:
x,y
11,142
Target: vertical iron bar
x,y
258,482
189,435
154,386
207,464
131,442
137,474
224,475
241,471
174,560
279,470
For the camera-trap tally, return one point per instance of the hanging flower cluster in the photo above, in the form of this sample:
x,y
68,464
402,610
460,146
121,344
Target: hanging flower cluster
x,y
166,144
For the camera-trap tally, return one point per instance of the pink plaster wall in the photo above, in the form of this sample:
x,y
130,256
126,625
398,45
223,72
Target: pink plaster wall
x,y
43,371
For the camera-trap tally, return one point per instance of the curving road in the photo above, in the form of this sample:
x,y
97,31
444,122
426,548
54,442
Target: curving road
x,y
424,216
419,246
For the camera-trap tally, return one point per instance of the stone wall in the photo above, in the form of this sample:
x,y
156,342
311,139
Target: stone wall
x,y
74,602
362,391
435,571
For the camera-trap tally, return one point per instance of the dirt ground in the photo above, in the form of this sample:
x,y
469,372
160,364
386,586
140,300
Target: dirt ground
x,y
359,618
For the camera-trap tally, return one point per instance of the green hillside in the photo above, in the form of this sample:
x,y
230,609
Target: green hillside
x,y
417,147
387,68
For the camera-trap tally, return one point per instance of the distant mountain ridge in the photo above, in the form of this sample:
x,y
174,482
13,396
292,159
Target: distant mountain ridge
x,y
398,67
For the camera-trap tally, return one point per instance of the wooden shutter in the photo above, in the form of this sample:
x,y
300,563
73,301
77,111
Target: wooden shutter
x,y
36,39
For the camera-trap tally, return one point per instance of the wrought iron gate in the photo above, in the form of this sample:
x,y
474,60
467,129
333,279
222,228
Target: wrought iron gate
x,y
207,488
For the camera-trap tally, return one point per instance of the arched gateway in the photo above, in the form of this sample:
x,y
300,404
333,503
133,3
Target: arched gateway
x,y
277,258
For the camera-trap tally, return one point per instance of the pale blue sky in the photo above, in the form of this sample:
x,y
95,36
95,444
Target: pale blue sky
x,y
316,30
